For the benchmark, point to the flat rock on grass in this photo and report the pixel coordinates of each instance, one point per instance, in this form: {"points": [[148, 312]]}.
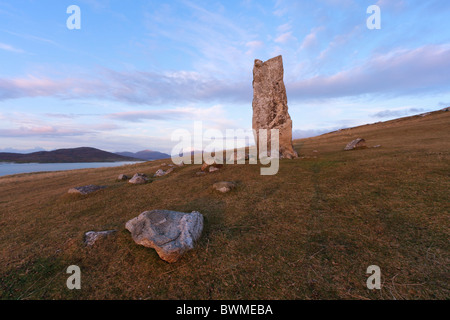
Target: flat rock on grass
{"points": [[91, 237], [86, 189], [138, 178], [356, 144], [224, 186], [161, 172], [170, 233]]}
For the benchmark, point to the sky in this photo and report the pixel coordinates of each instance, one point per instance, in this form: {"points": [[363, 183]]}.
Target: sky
{"points": [[138, 70]]}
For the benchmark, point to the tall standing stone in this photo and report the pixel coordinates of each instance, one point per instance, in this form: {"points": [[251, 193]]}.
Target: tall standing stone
{"points": [[270, 109]]}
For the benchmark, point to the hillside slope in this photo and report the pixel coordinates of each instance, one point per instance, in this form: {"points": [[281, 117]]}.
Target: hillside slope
{"points": [[145, 155], [309, 232], [83, 154]]}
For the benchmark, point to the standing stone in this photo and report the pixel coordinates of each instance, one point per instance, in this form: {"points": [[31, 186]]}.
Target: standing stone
{"points": [[170, 233], [270, 109]]}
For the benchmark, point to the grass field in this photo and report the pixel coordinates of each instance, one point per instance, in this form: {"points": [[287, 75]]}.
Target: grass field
{"points": [[309, 232]]}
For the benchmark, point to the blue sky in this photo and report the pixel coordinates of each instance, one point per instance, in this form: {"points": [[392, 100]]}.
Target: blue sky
{"points": [[138, 70]]}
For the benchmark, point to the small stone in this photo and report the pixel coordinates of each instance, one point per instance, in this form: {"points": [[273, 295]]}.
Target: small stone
{"points": [[206, 167], [139, 178], [169, 170], [161, 172], [224, 186], [86, 189], [212, 169], [356, 144], [91, 237], [122, 177]]}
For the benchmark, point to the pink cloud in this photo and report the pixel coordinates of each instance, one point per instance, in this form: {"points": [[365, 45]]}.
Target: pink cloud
{"points": [[402, 71]]}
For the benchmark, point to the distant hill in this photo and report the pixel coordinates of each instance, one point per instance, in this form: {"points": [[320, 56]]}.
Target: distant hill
{"points": [[145, 155], [83, 154]]}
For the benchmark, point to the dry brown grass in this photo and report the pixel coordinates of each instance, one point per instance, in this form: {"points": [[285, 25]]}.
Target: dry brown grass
{"points": [[310, 232]]}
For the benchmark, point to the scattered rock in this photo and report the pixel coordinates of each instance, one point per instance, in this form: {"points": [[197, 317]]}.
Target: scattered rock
{"points": [[270, 109], [356, 144], [91, 237], [169, 170], [122, 177], [86, 189], [207, 167], [139, 178], [170, 233], [377, 146], [212, 169], [200, 173], [161, 172], [224, 186]]}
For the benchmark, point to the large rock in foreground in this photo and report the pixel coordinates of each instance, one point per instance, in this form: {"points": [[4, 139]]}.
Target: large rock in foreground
{"points": [[270, 109], [170, 233]]}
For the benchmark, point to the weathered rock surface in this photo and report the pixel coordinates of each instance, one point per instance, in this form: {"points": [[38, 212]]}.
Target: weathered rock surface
{"points": [[224, 186], [91, 237], [139, 178], [207, 167], [270, 109], [356, 144], [122, 177], [170, 233], [161, 172], [84, 190]]}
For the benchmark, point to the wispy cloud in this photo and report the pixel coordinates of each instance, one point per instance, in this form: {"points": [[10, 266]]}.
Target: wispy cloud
{"points": [[214, 114], [7, 47], [397, 113], [399, 72], [310, 39]]}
